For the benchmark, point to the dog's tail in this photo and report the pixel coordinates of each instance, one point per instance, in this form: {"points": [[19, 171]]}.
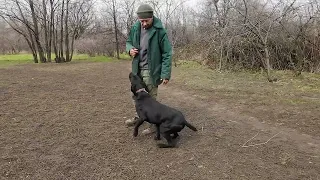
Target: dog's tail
{"points": [[190, 126]]}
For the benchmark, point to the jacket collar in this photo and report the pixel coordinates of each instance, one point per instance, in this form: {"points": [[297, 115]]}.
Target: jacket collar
{"points": [[157, 23]]}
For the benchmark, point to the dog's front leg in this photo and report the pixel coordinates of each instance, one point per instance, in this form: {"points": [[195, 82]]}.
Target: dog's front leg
{"points": [[136, 128], [157, 137]]}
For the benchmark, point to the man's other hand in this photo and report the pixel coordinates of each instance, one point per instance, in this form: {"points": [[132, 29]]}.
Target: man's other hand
{"points": [[165, 81], [134, 52]]}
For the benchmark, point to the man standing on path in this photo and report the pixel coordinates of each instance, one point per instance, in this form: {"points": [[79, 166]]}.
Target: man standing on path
{"points": [[151, 50]]}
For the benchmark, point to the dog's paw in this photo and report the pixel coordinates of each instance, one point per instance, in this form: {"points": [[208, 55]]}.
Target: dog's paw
{"points": [[157, 138]]}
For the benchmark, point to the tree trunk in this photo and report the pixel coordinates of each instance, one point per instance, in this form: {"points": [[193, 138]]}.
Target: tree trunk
{"points": [[31, 42], [46, 25], [68, 59], [55, 42], [115, 27], [51, 30], [61, 34], [72, 42], [267, 60], [36, 32]]}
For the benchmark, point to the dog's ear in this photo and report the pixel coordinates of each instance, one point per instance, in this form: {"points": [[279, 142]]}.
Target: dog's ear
{"points": [[130, 75], [133, 91]]}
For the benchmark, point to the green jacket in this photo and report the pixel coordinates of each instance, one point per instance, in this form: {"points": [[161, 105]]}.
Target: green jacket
{"points": [[159, 51]]}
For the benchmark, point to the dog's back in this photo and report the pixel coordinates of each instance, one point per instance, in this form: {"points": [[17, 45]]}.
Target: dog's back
{"points": [[169, 117]]}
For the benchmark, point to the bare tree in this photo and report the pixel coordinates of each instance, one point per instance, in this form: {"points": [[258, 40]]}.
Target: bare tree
{"points": [[40, 21], [112, 11], [115, 26], [10, 41], [127, 12], [36, 32]]}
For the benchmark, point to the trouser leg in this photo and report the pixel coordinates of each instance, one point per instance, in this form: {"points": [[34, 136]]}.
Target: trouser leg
{"points": [[152, 90]]}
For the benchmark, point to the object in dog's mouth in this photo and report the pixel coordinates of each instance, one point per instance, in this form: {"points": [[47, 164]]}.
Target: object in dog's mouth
{"points": [[142, 89], [168, 121]]}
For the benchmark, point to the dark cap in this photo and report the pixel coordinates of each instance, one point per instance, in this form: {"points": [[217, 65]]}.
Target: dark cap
{"points": [[145, 11]]}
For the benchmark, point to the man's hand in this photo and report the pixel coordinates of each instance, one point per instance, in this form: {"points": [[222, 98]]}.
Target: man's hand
{"points": [[164, 81], [134, 52]]}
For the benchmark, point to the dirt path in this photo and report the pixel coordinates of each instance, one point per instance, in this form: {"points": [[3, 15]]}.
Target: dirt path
{"points": [[66, 121]]}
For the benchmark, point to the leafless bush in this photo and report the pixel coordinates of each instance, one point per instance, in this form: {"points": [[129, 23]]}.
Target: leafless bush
{"points": [[255, 34], [10, 42]]}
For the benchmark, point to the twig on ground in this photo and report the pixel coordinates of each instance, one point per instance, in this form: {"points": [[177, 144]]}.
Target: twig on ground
{"points": [[250, 139], [245, 146]]}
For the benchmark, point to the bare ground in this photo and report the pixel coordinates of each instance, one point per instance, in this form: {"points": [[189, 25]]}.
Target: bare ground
{"points": [[66, 121]]}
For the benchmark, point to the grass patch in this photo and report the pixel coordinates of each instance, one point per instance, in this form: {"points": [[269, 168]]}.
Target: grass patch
{"points": [[251, 87], [125, 56], [8, 60], [15, 59]]}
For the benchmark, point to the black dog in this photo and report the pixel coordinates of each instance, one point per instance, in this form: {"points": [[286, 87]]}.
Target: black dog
{"points": [[167, 120]]}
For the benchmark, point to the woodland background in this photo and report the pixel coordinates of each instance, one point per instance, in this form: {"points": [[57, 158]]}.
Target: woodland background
{"points": [[223, 34]]}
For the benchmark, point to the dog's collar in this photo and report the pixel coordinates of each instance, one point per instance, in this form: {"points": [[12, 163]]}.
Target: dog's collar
{"points": [[142, 89]]}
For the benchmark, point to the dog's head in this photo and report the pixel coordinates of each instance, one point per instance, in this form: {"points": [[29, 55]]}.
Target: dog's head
{"points": [[137, 85]]}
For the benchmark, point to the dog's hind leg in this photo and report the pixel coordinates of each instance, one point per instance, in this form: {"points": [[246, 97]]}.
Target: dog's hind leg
{"points": [[175, 135], [157, 137], [171, 143]]}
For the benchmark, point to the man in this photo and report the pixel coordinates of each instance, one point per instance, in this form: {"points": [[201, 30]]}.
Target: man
{"points": [[151, 50]]}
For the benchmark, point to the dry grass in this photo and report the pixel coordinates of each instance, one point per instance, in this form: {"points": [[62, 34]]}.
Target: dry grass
{"points": [[253, 87]]}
